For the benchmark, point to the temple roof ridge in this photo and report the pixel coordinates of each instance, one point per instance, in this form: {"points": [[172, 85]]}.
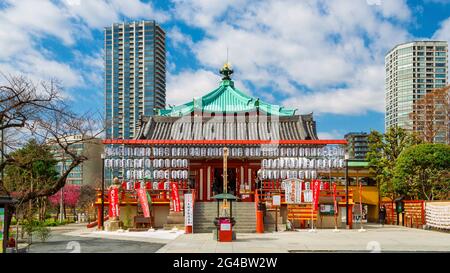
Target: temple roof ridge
{"points": [[226, 99]]}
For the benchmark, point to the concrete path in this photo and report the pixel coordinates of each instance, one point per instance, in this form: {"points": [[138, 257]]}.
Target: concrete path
{"points": [[61, 242], [375, 239]]}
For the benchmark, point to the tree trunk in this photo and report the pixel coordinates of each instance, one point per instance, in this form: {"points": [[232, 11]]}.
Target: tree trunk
{"points": [[8, 217]]}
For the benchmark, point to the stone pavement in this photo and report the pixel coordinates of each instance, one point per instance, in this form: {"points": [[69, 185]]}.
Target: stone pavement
{"points": [[375, 239]]}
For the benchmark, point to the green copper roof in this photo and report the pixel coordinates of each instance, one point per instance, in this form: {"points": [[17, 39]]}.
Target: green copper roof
{"points": [[358, 164], [226, 98]]}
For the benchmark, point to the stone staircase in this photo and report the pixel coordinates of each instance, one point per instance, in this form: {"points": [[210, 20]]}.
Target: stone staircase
{"points": [[243, 212]]}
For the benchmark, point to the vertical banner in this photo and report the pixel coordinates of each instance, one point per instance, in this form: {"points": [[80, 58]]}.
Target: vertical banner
{"points": [[175, 197], [334, 199], [316, 191], [188, 209], [113, 202], [2, 226], [142, 196]]}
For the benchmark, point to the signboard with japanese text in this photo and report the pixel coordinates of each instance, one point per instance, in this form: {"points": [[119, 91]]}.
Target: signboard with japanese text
{"points": [[359, 216], [276, 201], [188, 209], [293, 191]]}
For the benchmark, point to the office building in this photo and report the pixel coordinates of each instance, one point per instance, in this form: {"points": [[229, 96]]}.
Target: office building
{"points": [[135, 75], [357, 145]]}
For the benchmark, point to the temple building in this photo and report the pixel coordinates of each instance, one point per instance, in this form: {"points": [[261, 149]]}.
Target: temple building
{"points": [[272, 150]]}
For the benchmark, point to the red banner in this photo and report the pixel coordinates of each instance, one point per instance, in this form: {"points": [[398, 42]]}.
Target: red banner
{"points": [[175, 197], [114, 202], [316, 191], [142, 196], [334, 199]]}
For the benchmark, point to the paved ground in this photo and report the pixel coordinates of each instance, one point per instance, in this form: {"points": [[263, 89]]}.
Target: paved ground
{"points": [[60, 242], [386, 239], [77, 238]]}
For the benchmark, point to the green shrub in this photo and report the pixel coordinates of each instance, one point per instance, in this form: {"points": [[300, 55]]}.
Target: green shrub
{"points": [[42, 232]]}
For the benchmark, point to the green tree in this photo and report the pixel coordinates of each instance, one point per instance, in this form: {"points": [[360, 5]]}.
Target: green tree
{"points": [[384, 149], [35, 169], [422, 172]]}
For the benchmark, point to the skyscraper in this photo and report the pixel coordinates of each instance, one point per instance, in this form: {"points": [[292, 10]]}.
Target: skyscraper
{"points": [[412, 70], [135, 75]]}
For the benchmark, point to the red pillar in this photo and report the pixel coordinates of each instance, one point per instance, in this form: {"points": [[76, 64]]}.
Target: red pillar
{"points": [[99, 217], [350, 216]]}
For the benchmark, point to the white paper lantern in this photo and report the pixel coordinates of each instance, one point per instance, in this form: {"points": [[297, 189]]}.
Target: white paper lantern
{"points": [[307, 174], [155, 185], [264, 174], [301, 174], [301, 151]]}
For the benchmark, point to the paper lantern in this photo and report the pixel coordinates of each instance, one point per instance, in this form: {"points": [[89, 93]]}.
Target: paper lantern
{"points": [[264, 174], [307, 176], [264, 163], [301, 174], [289, 152], [276, 174], [301, 151]]}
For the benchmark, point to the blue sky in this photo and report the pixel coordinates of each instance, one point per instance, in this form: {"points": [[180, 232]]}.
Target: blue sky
{"points": [[319, 56]]}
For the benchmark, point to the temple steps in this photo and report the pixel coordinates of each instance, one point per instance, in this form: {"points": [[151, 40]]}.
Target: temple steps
{"points": [[243, 213]]}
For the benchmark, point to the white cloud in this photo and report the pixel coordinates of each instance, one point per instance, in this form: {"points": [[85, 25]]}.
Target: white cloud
{"points": [[185, 85], [334, 134], [26, 23], [102, 13], [334, 49]]}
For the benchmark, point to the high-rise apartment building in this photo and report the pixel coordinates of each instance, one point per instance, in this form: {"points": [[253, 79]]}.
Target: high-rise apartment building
{"points": [[135, 75], [413, 70], [357, 145]]}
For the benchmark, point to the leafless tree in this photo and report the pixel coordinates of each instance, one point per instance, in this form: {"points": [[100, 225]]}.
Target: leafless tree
{"points": [[430, 115], [37, 110]]}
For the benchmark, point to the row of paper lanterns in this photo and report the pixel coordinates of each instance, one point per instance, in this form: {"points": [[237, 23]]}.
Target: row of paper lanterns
{"points": [[216, 152], [285, 174], [156, 174], [302, 163], [146, 163]]}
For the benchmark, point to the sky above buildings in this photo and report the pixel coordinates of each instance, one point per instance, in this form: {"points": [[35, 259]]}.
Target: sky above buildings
{"points": [[325, 57]]}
